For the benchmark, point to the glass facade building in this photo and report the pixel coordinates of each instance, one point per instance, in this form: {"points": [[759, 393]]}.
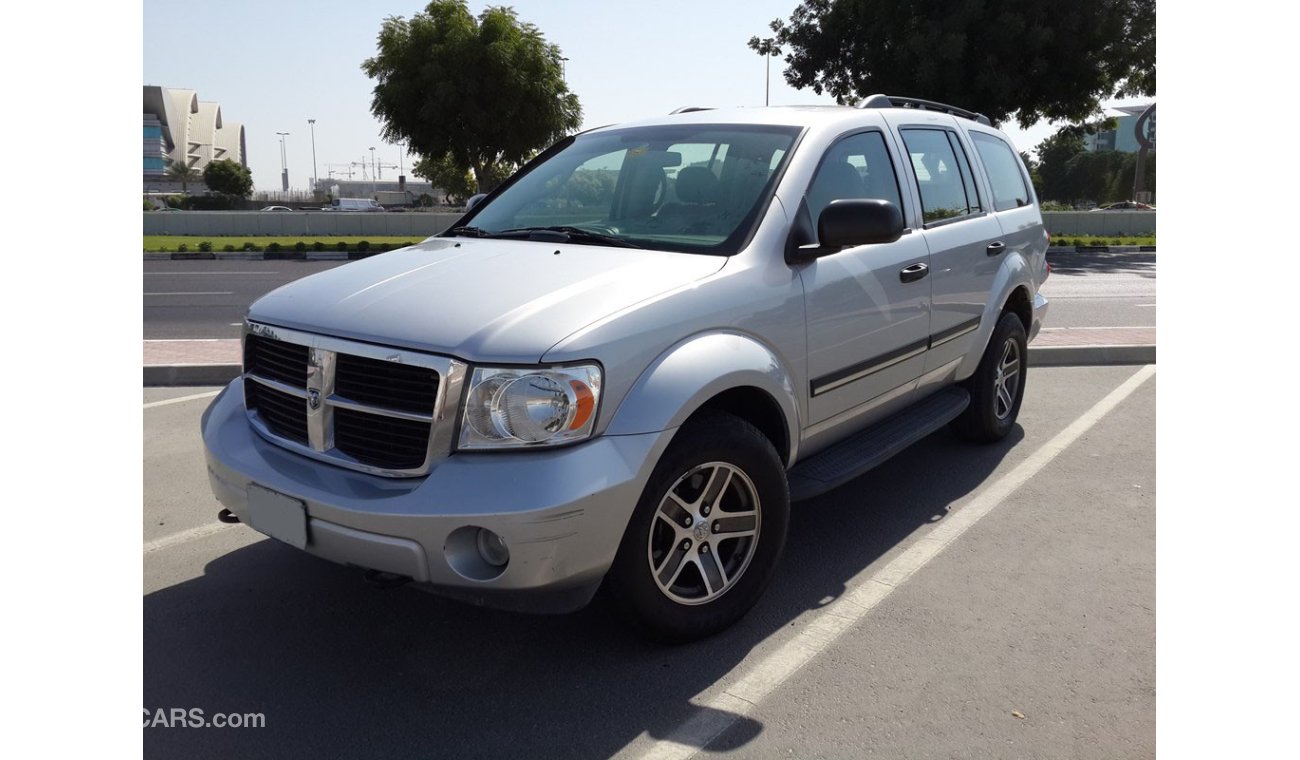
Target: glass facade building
{"points": [[155, 147]]}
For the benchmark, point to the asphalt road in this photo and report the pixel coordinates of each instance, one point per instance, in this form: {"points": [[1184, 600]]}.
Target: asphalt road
{"points": [[1032, 634], [208, 299], [1102, 290]]}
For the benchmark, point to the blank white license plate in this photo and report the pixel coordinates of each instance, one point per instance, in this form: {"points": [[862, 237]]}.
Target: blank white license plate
{"points": [[277, 515]]}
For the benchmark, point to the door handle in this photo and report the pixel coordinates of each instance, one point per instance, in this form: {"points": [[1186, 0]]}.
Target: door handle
{"points": [[913, 273], [995, 248]]}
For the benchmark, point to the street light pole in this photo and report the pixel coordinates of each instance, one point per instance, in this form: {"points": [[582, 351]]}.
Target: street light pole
{"points": [[315, 179], [767, 48], [374, 178], [284, 163]]}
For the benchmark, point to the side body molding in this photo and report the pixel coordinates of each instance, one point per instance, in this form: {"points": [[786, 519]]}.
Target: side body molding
{"points": [[695, 370]]}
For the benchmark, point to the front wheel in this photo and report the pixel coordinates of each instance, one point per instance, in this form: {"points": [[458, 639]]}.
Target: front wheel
{"points": [[706, 534], [998, 385]]}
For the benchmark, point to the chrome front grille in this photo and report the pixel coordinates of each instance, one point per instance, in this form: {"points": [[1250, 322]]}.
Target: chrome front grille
{"points": [[380, 410]]}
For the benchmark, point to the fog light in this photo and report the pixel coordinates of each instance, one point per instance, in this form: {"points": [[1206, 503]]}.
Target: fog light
{"points": [[492, 548]]}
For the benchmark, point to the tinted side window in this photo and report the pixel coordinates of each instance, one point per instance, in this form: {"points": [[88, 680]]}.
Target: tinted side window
{"points": [[856, 167], [1003, 168], [947, 189]]}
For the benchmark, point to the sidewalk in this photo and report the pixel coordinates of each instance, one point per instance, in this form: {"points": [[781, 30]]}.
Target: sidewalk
{"points": [[217, 361]]}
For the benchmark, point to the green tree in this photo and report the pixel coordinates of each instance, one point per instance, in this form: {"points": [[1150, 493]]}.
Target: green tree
{"points": [[487, 92], [182, 172], [456, 183], [1034, 59], [228, 178], [1054, 155]]}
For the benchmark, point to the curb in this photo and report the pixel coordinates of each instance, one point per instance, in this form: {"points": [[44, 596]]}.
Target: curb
{"points": [[1039, 356], [1091, 356]]}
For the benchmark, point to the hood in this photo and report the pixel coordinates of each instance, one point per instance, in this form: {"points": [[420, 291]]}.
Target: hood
{"points": [[478, 299]]}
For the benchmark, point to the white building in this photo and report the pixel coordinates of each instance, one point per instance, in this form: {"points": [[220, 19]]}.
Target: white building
{"points": [[180, 127]]}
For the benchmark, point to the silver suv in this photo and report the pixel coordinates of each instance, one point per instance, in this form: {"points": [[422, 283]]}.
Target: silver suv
{"points": [[621, 367]]}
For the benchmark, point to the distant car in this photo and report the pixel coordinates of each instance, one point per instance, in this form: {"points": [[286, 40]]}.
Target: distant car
{"points": [[1126, 206], [276, 208]]}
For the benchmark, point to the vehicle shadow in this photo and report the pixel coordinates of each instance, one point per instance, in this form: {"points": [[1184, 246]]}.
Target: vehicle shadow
{"points": [[341, 669], [1082, 263]]}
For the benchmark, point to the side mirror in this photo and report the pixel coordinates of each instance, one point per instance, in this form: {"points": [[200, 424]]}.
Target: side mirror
{"points": [[858, 221], [474, 200]]}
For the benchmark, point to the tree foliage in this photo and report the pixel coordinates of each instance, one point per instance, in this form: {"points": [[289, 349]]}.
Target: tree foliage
{"points": [[486, 92], [228, 178], [1034, 59], [455, 182], [1068, 173], [182, 172]]}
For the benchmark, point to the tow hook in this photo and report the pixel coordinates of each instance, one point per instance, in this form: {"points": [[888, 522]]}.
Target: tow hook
{"points": [[226, 516], [381, 579]]}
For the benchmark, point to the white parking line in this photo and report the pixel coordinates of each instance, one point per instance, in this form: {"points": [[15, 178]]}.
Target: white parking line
{"points": [[186, 536], [748, 689], [180, 399]]}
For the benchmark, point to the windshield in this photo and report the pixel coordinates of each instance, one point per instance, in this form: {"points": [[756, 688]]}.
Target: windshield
{"points": [[697, 188]]}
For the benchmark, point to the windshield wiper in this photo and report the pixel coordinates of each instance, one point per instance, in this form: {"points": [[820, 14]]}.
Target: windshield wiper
{"points": [[469, 232], [571, 234]]}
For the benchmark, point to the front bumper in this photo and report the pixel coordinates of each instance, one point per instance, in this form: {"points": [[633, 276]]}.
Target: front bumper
{"points": [[562, 512]]}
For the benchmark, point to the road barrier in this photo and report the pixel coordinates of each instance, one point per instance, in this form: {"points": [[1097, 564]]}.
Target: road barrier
{"points": [[421, 224], [1104, 223], [305, 224]]}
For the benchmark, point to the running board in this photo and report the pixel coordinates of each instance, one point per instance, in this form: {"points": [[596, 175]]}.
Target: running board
{"points": [[869, 448]]}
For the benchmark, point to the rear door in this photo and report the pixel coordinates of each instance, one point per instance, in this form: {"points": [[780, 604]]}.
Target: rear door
{"points": [[964, 239], [1011, 192], [867, 325]]}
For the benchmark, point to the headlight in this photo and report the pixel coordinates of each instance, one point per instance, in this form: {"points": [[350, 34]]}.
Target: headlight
{"points": [[513, 407]]}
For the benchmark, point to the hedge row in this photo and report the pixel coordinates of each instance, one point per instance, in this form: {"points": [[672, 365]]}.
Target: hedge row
{"points": [[1098, 241], [361, 246]]}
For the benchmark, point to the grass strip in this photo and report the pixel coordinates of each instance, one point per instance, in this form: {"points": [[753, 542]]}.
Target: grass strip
{"points": [[1087, 240], [173, 243]]}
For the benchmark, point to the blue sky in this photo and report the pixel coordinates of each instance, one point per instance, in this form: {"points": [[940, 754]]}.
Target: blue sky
{"points": [[273, 65]]}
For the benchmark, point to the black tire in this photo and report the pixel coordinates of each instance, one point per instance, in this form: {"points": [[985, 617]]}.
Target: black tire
{"points": [[988, 419], [708, 443]]}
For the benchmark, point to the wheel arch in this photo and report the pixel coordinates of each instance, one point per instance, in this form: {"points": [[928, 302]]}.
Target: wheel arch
{"points": [[722, 371], [1020, 303]]}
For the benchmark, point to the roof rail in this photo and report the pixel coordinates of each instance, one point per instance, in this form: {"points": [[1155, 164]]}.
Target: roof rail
{"points": [[689, 109], [899, 101]]}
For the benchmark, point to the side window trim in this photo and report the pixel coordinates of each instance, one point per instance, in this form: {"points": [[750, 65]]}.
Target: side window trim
{"points": [[1021, 170], [967, 173], [890, 150], [901, 128]]}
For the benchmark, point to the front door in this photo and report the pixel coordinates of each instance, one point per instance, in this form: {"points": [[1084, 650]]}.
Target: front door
{"points": [[868, 307]]}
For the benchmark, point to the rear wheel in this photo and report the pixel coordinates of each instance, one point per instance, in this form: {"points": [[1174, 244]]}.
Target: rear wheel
{"points": [[706, 534], [998, 385]]}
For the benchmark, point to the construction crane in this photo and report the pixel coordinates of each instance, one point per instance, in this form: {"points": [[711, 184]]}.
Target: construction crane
{"points": [[346, 170]]}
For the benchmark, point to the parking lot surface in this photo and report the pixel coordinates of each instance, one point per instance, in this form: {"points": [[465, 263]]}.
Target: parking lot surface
{"points": [[1028, 633]]}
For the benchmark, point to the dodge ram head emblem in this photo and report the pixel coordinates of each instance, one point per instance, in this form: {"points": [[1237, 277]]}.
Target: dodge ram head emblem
{"points": [[313, 399]]}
